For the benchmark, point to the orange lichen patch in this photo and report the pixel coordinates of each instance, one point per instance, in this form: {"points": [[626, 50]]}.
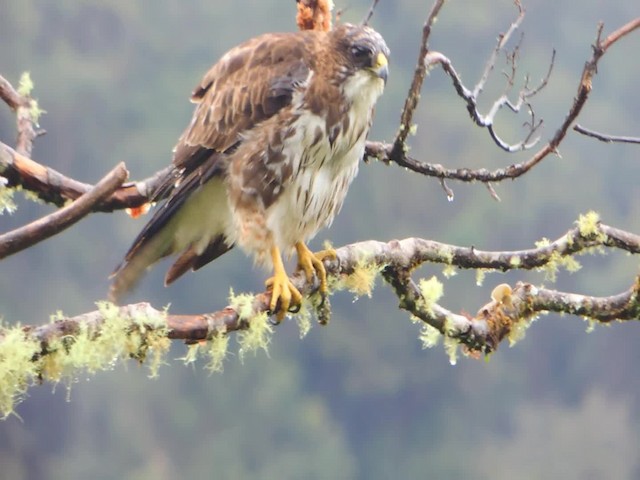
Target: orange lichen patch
{"points": [[314, 15], [499, 322], [136, 212]]}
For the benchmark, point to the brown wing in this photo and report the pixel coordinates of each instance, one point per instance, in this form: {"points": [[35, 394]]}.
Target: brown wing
{"points": [[249, 84]]}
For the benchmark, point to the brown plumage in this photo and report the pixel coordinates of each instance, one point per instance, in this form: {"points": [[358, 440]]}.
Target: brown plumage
{"points": [[275, 140]]}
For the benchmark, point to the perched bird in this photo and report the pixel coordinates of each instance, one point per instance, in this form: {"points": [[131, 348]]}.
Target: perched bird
{"points": [[276, 138]]}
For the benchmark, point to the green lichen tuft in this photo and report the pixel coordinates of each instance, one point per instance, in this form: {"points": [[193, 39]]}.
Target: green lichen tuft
{"points": [[303, 319], [589, 224], [449, 271], [7, 203], [451, 347], [556, 261], [515, 261], [18, 371], [431, 291], [429, 336], [25, 87], [542, 243], [33, 197], [217, 352], [94, 346], [25, 84], [257, 335], [481, 274], [193, 352], [518, 331], [591, 324], [35, 112], [362, 280]]}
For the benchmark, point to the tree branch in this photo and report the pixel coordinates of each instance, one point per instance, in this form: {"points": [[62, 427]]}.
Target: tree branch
{"points": [[394, 154], [62, 219], [604, 137], [413, 97], [53, 187], [357, 265]]}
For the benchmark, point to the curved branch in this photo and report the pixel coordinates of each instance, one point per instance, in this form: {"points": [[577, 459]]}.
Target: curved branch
{"points": [[62, 219], [604, 137], [393, 154], [395, 261], [53, 187]]}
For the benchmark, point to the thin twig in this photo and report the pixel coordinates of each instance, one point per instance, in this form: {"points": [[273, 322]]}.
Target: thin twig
{"points": [[388, 153], [411, 102], [605, 137], [59, 220], [366, 19]]}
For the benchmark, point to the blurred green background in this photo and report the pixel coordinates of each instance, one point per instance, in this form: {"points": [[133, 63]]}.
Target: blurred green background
{"points": [[359, 398]]}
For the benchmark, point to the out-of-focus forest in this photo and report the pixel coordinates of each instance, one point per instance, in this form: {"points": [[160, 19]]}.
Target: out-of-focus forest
{"points": [[359, 398]]}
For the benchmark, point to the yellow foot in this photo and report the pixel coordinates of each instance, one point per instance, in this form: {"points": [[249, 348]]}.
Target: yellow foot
{"points": [[285, 297], [311, 264]]}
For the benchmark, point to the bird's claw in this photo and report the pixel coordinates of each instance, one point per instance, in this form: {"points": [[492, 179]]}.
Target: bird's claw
{"points": [[311, 264], [285, 297]]}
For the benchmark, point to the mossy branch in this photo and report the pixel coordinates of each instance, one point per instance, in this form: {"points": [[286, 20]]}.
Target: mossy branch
{"points": [[68, 346]]}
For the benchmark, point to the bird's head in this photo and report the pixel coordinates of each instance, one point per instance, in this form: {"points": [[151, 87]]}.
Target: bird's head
{"points": [[362, 58]]}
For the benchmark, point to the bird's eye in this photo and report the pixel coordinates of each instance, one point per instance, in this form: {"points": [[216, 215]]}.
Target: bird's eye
{"points": [[360, 52]]}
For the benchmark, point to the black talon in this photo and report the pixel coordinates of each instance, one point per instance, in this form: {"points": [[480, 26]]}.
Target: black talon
{"points": [[295, 309]]}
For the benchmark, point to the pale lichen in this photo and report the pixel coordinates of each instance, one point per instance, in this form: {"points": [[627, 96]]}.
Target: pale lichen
{"points": [[451, 347], [25, 87], [449, 271], [362, 280], [303, 319], [556, 261], [591, 324], [18, 370], [7, 203], [589, 225], [25, 84], [217, 352], [257, 335], [431, 291], [94, 346], [481, 274], [429, 336]]}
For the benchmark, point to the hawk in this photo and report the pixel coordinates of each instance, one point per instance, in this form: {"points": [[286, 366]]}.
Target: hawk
{"points": [[276, 138]]}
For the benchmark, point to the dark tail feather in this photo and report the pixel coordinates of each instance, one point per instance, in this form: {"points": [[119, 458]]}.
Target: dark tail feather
{"points": [[190, 260], [144, 254]]}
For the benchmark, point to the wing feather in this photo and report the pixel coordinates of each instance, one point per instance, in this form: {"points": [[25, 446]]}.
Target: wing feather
{"points": [[247, 86]]}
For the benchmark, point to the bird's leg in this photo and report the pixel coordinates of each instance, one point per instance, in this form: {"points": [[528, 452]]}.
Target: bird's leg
{"points": [[284, 296], [311, 263]]}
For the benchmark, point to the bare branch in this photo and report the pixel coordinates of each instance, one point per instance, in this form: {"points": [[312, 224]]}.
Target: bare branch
{"points": [[53, 187], [62, 219], [27, 112], [605, 137], [411, 102], [10, 96], [390, 154], [503, 38], [367, 18]]}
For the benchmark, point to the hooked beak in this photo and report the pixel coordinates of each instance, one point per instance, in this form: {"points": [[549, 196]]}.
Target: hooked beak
{"points": [[381, 67]]}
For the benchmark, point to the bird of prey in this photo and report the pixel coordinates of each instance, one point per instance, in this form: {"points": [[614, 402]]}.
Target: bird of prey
{"points": [[276, 138]]}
